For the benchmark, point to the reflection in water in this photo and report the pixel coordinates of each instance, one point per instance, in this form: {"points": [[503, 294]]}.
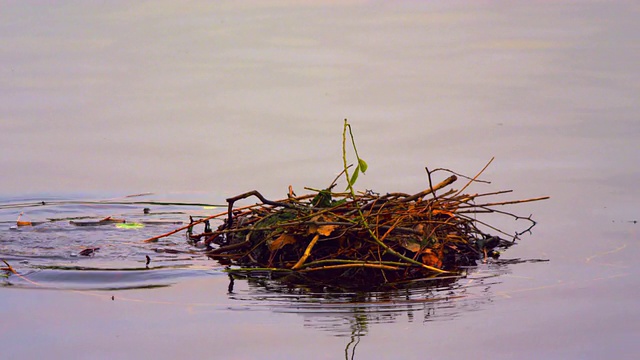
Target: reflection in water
{"points": [[350, 313]]}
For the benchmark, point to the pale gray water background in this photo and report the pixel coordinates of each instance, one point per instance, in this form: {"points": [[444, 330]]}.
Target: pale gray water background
{"points": [[198, 100]]}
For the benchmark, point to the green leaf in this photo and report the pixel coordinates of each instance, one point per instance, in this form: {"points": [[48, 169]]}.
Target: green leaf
{"points": [[323, 199], [354, 177], [338, 202], [362, 165]]}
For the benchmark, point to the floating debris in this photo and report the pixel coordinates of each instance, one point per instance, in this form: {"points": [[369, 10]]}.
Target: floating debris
{"points": [[105, 221], [132, 225], [20, 223], [89, 251]]}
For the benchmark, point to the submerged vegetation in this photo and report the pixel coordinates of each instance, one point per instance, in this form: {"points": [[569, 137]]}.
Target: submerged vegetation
{"points": [[357, 239]]}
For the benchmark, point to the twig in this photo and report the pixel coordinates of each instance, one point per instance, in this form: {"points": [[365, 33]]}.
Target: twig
{"points": [[504, 203], [476, 177], [355, 265], [8, 268], [255, 193], [446, 182], [307, 252]]}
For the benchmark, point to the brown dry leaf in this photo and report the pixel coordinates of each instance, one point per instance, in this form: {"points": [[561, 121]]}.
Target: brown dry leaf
{"points": [[442, 212], [281, 241], [430, 258], [410, 245], [313, 228], [326, 230]]}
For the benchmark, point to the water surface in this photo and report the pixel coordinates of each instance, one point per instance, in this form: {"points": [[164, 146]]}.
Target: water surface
{"points": [[200, 101]]}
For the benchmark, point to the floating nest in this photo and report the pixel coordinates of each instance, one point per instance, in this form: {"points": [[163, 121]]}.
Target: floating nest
{"points": [[358, 239], [361, 239]]}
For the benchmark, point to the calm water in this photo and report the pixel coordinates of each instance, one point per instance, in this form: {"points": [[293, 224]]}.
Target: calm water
{"points": [[199, 101]]}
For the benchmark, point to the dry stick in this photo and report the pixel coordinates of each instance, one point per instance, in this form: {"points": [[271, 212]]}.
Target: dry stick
{"points": [[460, 175], [474, 221], [228, 248], [273, 227], [516, 217], [475, 178], [255, 193], [474, 211], [306, 254], [446, 182], [9, 268], [300, 220], [361, 215], [393, 252], [265, 201], [345, 261], [391, 228], [342, 266], [316, 223], [503, 203], [493, 193], [155, 238], [430, 183]]}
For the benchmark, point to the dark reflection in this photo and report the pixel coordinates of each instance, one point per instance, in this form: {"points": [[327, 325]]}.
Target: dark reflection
{"points": [[350, 313], [356, 332]]}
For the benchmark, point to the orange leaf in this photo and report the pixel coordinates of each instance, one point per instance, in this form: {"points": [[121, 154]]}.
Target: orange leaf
{"points": [[281, 241], [326, 230], [430, 258], [443, 212]]}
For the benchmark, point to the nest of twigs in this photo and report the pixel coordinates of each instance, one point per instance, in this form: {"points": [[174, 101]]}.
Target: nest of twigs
{"points": [[361, 238], [358, 238]]}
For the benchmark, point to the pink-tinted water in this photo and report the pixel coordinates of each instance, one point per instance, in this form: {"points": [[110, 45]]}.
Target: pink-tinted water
{"points": [[199, 101]]}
